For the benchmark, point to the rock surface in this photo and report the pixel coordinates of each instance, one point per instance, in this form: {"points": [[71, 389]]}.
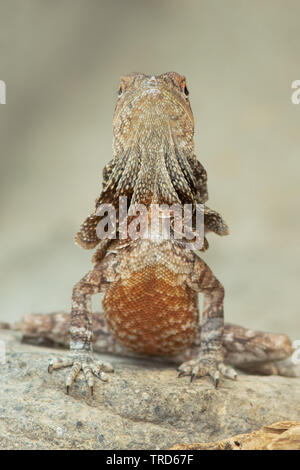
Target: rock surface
{"points": [[143, 406]]}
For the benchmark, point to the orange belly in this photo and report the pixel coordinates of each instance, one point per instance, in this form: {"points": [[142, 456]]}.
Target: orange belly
{"points": [[151, 312]]}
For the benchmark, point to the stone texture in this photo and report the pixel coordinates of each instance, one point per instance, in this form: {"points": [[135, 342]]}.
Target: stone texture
{"points": [[143, 406]]}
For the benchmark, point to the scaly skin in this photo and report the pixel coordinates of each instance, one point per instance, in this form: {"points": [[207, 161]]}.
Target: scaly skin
{"points": [[153, 145], [150, 285]]}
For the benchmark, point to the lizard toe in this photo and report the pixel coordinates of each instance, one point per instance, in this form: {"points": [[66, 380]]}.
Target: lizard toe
{"points": [[197, 368], [85, 363]]}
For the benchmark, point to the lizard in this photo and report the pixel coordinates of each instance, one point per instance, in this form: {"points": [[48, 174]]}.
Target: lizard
{"points": [[151, 286]]}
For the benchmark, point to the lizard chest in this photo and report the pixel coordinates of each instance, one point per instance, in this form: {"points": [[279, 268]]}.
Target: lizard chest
{"points": [[152, 312]]}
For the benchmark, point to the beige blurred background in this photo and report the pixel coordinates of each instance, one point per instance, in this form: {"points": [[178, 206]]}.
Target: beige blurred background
{"points": [[61, 61]]}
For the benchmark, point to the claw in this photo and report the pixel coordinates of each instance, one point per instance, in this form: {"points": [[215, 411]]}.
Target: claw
{"points": [[88, 367], [232, 375], [207, 367], [216, 379], [227, 371], [106, 367], [181, 374]]}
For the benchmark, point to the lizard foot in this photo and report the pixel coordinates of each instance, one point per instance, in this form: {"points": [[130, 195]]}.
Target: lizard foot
{"points": [[207, 366], [84, 362]]}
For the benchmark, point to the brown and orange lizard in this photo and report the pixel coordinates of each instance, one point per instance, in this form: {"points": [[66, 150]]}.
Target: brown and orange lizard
{"points": [[151, 285]]}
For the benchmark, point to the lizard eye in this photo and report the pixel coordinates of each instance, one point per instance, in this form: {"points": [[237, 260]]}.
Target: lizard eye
{"points": [[186, 91], [120, 91]]}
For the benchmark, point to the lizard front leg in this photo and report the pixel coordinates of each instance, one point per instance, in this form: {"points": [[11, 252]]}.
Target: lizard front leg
{"points": [[210, 360], [81, 334]]}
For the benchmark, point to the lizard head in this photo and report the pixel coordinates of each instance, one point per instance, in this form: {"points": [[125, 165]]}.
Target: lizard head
{"points": [[154, 159], [148, 105], [153, 130]]}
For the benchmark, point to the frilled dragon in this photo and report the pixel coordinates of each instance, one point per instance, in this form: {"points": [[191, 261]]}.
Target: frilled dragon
{"points": [[151, 285]]}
